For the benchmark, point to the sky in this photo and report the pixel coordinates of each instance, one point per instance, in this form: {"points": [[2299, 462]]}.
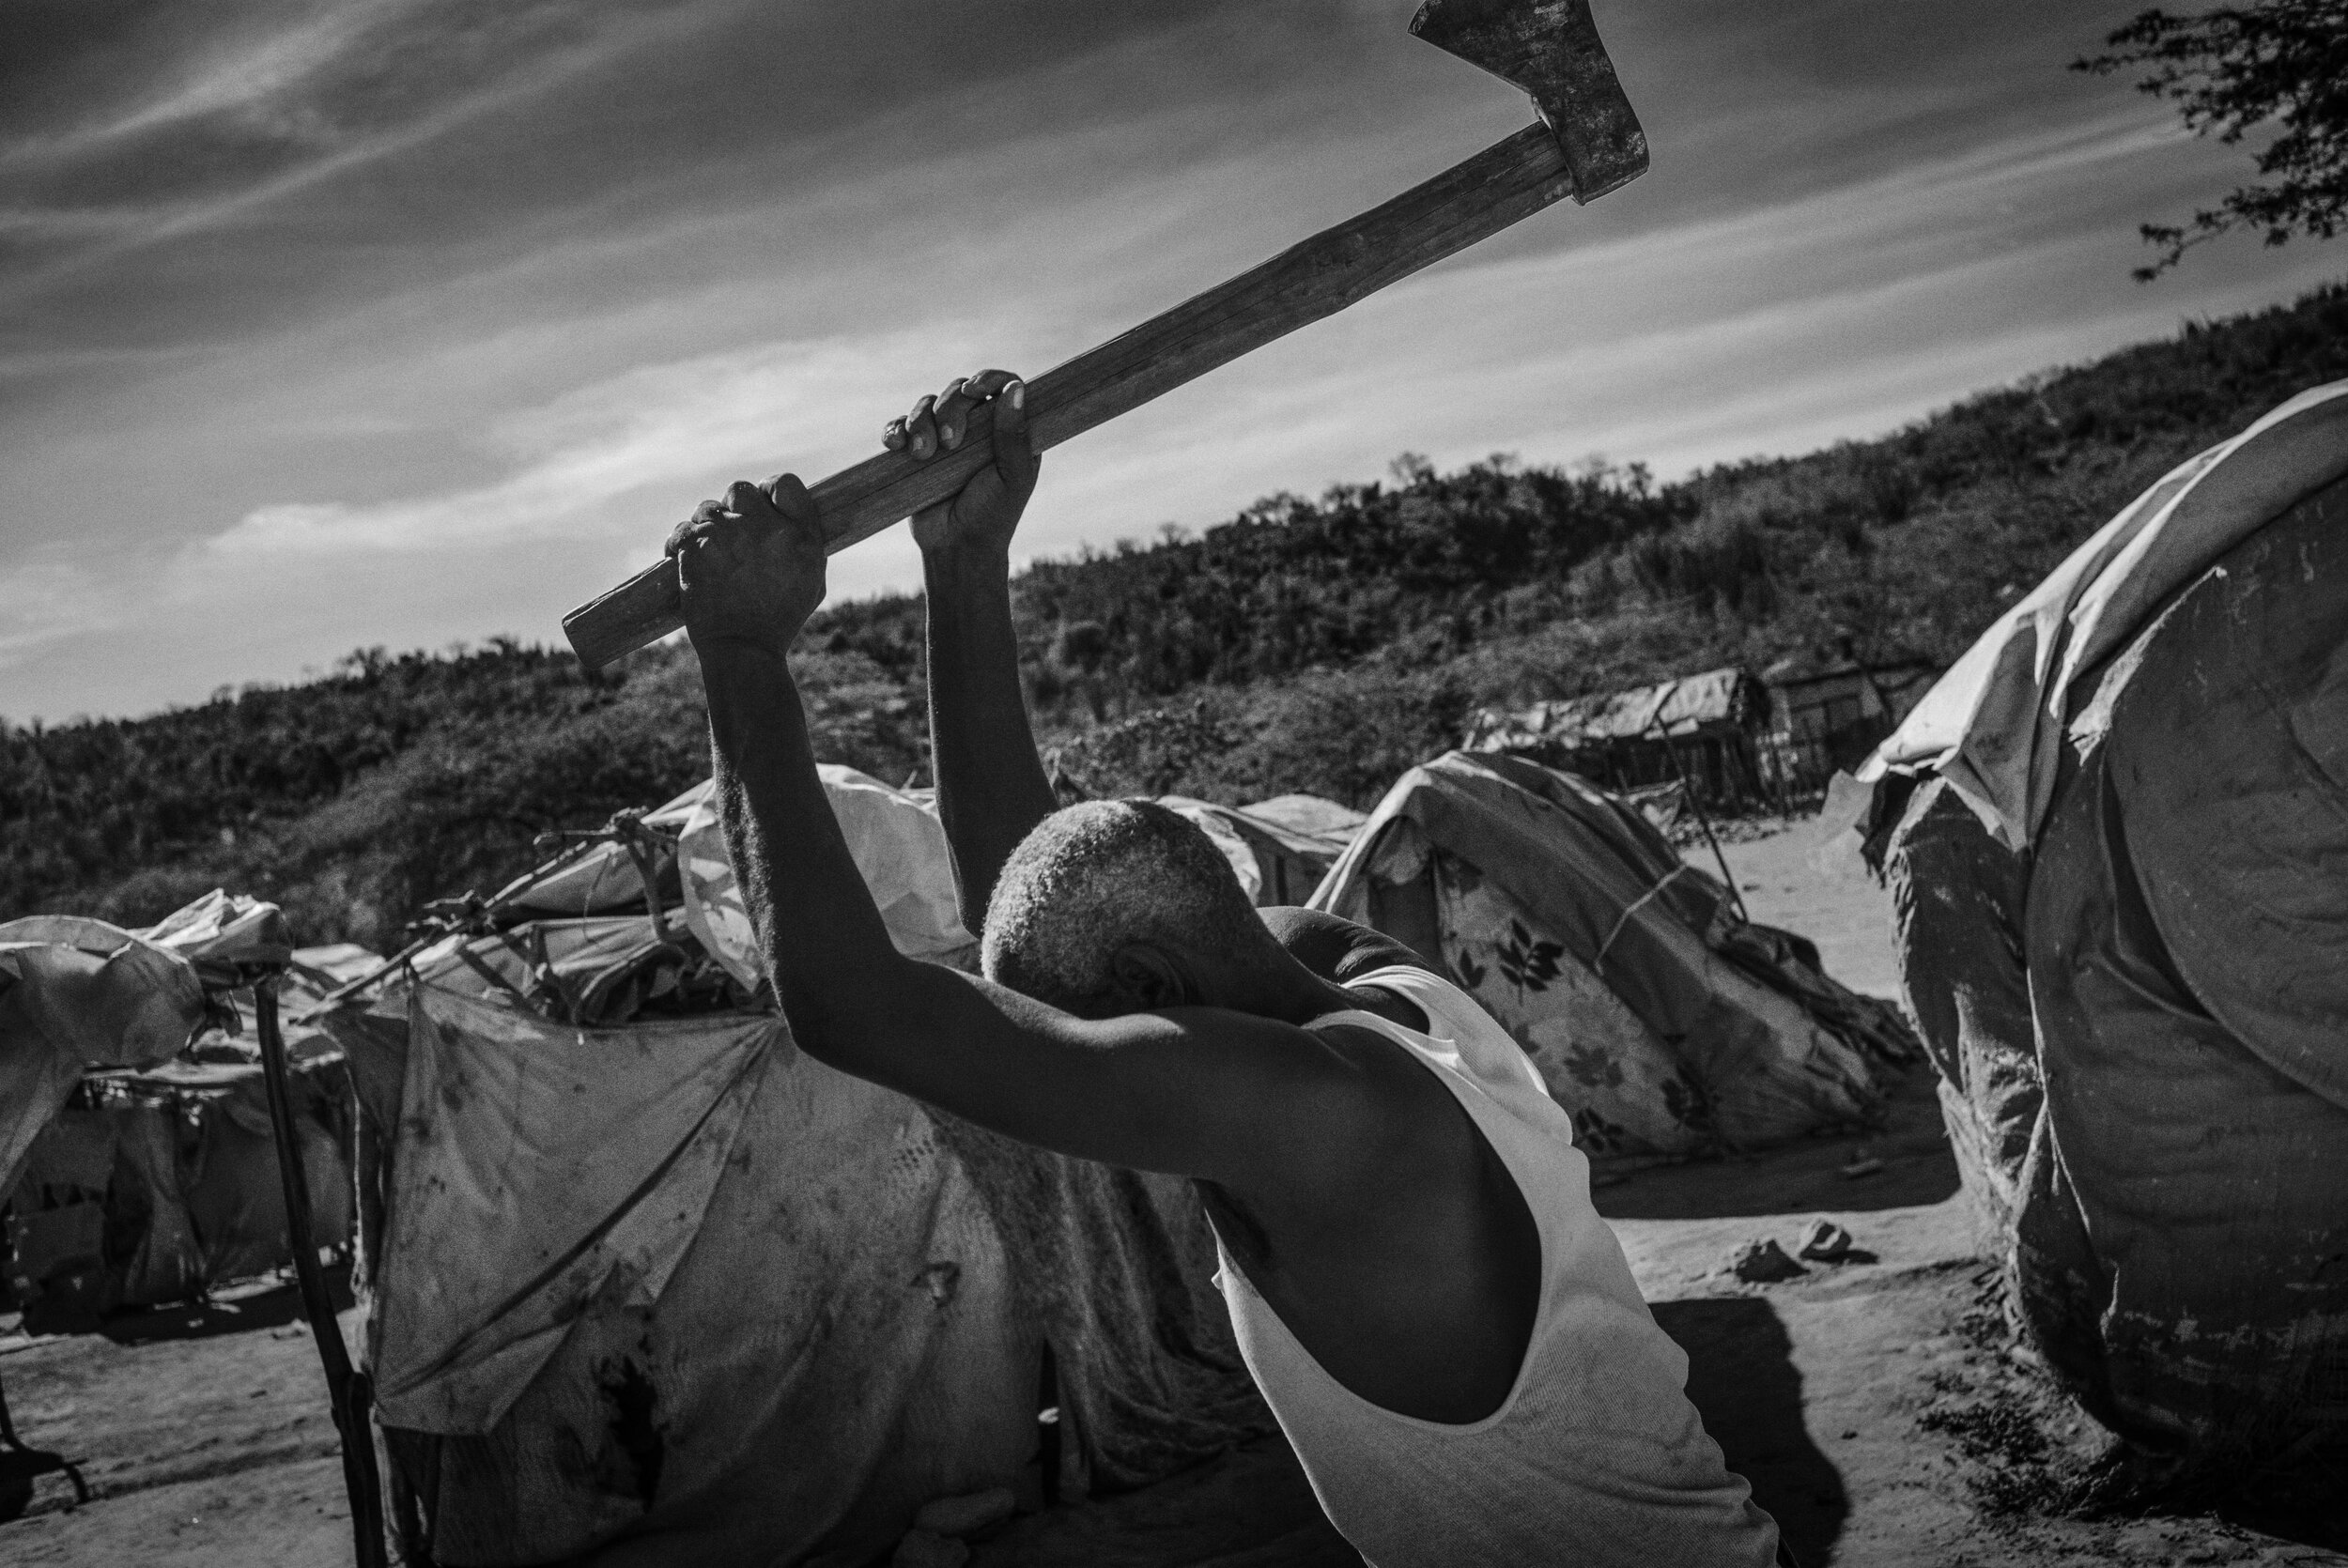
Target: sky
{"points": [[413, 322]]}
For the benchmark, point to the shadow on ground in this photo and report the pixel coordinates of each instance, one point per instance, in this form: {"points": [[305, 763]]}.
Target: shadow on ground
{"points": [[1912, 1146], [240, 1309], [1742, 1378]]}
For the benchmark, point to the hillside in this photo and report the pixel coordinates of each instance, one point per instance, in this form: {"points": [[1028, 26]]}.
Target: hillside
{"points": [[1317, 644]]}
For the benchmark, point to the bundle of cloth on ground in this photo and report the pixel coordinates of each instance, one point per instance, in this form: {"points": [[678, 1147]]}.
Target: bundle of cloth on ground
{"points": [[2116, 832], [135, 1146], [675, 1290], [1667, 1024]]}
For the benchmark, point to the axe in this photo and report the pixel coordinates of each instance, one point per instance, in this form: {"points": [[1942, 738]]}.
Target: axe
{"points": [[1585, 142]]}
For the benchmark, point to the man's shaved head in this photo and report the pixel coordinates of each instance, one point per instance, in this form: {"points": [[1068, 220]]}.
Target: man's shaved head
{"points": [[1095, 878]]}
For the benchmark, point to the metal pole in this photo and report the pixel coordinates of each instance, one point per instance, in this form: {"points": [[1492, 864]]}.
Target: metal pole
{"points": [[350, 1392]]}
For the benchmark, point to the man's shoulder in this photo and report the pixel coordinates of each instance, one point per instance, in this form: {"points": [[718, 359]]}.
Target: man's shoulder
{"points": [[1338, 950]]}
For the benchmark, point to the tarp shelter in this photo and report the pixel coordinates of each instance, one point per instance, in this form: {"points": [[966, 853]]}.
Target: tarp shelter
{"points": [[1699, 728], [668, 1290], [1277, 862], [2117, 837], [1664, 1024], [140, 1166], [1313, 815]]}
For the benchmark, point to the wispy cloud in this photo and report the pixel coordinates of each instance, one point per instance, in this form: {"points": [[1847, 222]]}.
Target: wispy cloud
{"points": [[419, 319], [1477, 336], [43, 601], [253, 77], [657, 428]]}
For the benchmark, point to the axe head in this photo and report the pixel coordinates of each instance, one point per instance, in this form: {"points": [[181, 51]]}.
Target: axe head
{"points": [[1550, 49]]}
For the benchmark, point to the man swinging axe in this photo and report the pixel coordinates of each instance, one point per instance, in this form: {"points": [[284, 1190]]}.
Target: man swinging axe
{"points": [[1447, 1333]]}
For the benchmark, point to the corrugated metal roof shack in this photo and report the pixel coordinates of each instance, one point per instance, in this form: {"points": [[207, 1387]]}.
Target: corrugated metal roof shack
{"points": [[1703, 728], [1825, 716]]}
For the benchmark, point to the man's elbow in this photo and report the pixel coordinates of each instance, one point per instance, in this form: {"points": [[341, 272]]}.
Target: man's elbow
{"points": [[824, 1026], [848, 1023]]}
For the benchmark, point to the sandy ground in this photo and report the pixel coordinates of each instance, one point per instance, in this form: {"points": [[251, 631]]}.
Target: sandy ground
{"points": [[1863, 1400], [203, 1433]]}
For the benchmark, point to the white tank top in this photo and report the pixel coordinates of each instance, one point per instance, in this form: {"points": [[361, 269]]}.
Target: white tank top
{"points": [[1595, 1456]]}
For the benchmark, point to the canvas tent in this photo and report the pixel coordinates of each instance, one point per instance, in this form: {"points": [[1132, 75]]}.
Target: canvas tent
{"points": [[658, 1288], [135, 1137], [1664, 1024], [1279, 854], [2114, 833], [1312, 816]]}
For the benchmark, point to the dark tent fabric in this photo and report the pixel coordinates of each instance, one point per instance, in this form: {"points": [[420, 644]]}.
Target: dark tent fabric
{"points": [[152, 1187], [2142, 1023], [1957, 899], [1117, 1267]]}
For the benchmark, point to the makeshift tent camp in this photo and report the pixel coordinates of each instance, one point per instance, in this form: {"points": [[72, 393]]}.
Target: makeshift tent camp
{"points": [[140, 1171], [1668, 1026], [2115, 833], [666, 1289]]}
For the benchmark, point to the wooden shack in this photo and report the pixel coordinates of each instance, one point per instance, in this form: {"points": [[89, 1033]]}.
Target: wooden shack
{"points": [[1701, 729], [1828, 715]]}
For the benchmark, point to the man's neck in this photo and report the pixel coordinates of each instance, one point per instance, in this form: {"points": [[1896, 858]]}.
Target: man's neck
{"points": [[1309, 997]]}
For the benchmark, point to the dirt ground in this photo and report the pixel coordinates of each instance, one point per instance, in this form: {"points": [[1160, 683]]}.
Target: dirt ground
{"points": [[1873, 1403]]}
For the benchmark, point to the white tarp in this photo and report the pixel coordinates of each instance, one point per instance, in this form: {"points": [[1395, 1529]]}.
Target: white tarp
{"points": [[1275, 862], [1311, 816], [76, 995], [225, 935], [1992, 724], [570, 1162], [675, 1293], [895, 837]]}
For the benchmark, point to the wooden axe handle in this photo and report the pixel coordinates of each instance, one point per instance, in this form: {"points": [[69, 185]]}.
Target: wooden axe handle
{"points": [[1506, 181]]}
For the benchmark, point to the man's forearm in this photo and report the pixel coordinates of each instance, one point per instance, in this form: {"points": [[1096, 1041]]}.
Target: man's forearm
{"points": [[991, 787], [824, 943]]}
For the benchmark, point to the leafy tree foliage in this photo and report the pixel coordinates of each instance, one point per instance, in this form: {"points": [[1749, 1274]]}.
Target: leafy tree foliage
{"points": [[2235, 69]]}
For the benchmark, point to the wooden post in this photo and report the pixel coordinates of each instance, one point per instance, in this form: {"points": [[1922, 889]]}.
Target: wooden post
{"points": [[1702, 821], [350, 1392]]}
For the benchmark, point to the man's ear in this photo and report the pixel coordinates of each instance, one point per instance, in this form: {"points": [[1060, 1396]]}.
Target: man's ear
{"points": [[1149, 977]]}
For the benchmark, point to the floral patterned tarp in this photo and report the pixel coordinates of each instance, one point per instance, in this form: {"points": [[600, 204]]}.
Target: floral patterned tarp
{"points": [[1667, 1026]]}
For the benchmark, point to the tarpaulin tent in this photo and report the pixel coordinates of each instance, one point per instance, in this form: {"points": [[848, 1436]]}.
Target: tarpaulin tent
{"points": [[2117, 834], [1312, 817], [1275, 862], [668, 1289], [76, 995], [1663, 1022], [139, 1164]]}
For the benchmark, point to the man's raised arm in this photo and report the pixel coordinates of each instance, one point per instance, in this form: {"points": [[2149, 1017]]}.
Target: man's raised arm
{"points": [[991, 789], [1208, 1093]]}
